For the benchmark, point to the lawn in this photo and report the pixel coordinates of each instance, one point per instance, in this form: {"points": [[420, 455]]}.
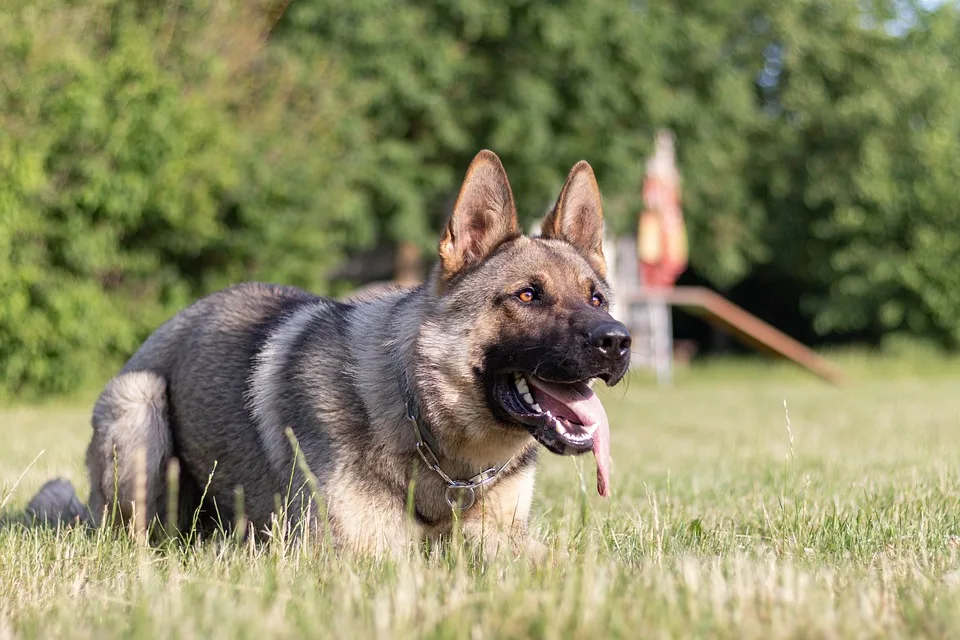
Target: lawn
{"points": [[749, 502]]}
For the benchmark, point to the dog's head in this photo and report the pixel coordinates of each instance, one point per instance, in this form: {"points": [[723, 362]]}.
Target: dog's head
{"points": [[522, 325]]}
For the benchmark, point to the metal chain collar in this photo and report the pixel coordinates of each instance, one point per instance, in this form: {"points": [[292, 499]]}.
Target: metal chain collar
{"points": [[460, 494]]}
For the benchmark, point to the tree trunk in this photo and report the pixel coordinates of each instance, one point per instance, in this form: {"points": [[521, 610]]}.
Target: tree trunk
{"points": [[408, 267]]}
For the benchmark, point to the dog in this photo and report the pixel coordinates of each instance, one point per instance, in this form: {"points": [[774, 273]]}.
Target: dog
{"points": [[392, 414]]}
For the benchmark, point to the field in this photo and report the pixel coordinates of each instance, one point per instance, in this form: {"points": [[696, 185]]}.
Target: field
{"points": [[749, 502]]}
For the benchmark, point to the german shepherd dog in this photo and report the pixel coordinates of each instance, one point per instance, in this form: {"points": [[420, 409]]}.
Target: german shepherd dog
{"points": [[391, 415]]}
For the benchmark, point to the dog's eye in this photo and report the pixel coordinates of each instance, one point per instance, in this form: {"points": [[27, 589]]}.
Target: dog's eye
{"points": [[527, 295], [596, 300]]}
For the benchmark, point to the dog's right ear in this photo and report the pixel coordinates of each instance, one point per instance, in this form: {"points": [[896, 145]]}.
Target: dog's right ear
{"points": [[483, 218], [577, 217]]}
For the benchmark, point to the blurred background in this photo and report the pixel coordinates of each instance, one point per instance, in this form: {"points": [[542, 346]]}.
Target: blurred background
{"points": [[151, 152]]}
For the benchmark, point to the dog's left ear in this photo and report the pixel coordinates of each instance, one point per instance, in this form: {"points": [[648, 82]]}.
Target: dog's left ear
{"points": [[483, 218], [577, 217]]}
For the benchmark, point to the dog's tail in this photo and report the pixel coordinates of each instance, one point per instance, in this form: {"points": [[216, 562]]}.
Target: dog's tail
{"points": [[56, 504]]}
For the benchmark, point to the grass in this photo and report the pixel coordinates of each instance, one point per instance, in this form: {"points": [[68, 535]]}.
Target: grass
{"points": [[732, 516]]}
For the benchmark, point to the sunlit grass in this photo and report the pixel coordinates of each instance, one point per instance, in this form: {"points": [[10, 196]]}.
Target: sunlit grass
{"points": [[724, 522]]}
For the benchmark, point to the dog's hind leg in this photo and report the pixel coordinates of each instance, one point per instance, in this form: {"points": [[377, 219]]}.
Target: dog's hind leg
{"points": [[131, 447]]}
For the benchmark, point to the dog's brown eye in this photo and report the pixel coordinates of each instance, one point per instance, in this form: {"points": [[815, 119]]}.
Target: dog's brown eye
{"points": [[527, 295], [596, 300]]}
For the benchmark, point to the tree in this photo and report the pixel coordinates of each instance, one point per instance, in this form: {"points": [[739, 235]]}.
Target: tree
{"points": [[147, 157], [863, 147]]}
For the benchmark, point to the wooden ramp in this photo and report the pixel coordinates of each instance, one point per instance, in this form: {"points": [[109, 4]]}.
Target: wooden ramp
{"points": [[750, 329]]}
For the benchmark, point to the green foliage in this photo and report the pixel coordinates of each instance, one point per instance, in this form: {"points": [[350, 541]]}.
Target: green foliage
{"points": [[151, 154], [866, 146], [816, 139], [144, 160]]}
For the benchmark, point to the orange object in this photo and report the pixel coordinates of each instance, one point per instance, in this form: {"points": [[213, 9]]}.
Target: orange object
{"points": [[661, 234]]}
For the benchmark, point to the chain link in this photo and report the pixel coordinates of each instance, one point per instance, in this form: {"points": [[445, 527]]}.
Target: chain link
{"points": [[465, 489]]}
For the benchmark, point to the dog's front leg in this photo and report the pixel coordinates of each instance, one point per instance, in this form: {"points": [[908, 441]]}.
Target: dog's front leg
{"points": [[500, 521], [367, 520]]}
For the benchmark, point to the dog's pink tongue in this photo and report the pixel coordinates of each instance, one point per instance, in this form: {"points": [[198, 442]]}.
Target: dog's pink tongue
{"points": [[601, 452], [578, 403]]}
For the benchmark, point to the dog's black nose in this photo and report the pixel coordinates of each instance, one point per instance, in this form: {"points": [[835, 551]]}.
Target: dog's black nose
{"points": [[612, 338]]}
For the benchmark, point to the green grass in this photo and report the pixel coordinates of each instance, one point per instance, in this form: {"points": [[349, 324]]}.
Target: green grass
{"points": [[728, 520]]}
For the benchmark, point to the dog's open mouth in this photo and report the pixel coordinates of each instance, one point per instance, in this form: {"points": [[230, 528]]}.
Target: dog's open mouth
{"points": [[567, 418]]}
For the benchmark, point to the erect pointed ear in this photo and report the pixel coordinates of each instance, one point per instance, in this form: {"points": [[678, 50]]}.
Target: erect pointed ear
{"points": [[577, 217], [483, 217]]}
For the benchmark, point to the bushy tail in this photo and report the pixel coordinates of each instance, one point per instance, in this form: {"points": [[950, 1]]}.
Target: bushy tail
{"points": [[57, 503]]}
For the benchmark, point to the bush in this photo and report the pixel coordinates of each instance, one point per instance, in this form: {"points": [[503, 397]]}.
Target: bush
{"points": [[146, 159]]}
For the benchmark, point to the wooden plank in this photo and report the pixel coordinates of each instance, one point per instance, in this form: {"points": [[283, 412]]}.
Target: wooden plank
{"points": [[747, 327]]}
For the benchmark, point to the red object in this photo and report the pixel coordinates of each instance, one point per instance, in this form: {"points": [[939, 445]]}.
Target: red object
{"points": [[661, 276], [661, 235]]}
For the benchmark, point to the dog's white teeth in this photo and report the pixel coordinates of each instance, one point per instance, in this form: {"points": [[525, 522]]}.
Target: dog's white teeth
{"points": [[524, 390], [562, 430]]}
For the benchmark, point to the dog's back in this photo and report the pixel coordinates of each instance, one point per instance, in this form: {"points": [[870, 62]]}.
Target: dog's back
{"points": [[184, 394], [204, 354]]}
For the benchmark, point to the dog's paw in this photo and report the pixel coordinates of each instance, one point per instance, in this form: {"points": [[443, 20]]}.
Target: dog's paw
{"points": [[57, 503], [535, 552]]}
